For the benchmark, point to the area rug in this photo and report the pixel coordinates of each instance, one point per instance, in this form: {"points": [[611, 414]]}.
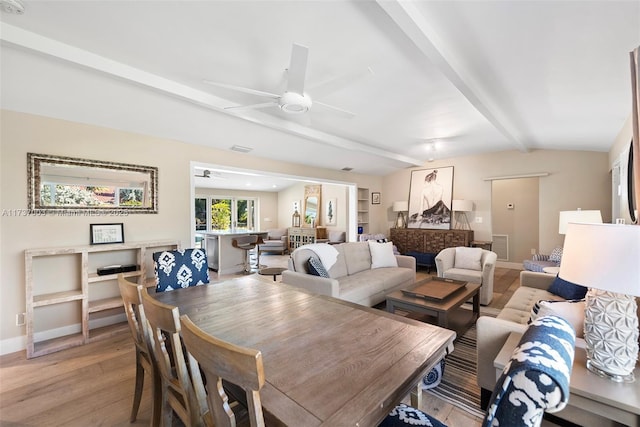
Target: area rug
{"points": [[458, 386]]}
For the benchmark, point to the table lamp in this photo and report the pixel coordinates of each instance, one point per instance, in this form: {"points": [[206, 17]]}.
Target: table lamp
{"points": [[578, 216], [461, 207], [606, 259], [401, 208]]}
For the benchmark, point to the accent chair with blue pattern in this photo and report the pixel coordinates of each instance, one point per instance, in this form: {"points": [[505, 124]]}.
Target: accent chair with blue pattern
{"points": [[177, 269]]}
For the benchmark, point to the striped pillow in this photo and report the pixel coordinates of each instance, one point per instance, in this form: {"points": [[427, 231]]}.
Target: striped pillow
{"points": [[571, 310]]}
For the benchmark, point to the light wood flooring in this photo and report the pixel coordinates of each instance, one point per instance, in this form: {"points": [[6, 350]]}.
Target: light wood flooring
{"points": [[92, 385]]}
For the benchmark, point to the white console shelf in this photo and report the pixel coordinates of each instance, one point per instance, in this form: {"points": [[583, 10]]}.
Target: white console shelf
{"points": [[63, 282]]}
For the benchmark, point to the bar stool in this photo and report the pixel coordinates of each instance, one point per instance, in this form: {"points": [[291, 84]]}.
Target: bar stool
{"points": [[247, 244]]}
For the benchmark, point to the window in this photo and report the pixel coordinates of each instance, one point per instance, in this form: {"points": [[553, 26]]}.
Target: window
{"points": [[225, 213]]}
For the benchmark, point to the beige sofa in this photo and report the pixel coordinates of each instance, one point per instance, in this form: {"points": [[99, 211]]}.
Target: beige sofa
{"points": [[493, 332], [351, 278]]}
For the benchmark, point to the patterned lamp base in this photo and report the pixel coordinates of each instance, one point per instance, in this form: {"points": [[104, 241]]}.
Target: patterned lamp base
{"points": [[611, 334]]}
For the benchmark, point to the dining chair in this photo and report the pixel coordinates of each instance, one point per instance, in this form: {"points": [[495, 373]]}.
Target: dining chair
{"points": [[145, 362], [223, 361], [181, 392], [180, 268]]}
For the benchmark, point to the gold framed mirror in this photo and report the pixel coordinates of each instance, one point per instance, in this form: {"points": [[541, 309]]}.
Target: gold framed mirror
{"points": [[311, 205], [65, 183]]}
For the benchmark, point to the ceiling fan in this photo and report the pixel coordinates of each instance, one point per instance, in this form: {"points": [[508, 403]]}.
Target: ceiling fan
{"points": [[206, 173], [293, 100]]}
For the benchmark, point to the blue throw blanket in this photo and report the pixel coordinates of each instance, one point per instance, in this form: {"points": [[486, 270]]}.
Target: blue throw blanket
{"points": [[536, 378]]}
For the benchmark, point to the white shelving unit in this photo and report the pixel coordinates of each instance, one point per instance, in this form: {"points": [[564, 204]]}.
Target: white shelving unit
{"points": [[363, 209], [76, 293]]}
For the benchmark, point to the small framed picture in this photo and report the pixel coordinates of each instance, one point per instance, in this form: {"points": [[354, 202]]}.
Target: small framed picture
{"points": [[375, 198], [102, 234]]}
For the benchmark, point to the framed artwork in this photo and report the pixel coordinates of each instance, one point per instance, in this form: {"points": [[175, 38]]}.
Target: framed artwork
{"points": [[107, 233], [430, 196], [330, 212], [375, 198]]}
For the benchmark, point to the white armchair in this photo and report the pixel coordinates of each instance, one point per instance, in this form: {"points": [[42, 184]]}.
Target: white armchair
{"points": [[474, 265]]}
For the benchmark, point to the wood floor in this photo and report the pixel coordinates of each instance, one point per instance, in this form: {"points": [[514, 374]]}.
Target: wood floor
{"points": [[92, 385]]}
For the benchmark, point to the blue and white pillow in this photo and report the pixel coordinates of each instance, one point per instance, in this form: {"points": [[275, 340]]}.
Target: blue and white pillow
{"points": [[556, 255], [536, 378], [316, 268], [180, 269], [404, 415]]}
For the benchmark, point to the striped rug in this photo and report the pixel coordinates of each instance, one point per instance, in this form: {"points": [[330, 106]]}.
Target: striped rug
{"points": [[458, 386]]}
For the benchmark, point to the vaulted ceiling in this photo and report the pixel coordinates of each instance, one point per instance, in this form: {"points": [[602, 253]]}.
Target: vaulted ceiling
{"points": [[423, 79]]}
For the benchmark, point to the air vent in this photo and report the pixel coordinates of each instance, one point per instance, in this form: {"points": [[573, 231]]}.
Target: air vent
{"points": [[241, 149], [347, 169]]}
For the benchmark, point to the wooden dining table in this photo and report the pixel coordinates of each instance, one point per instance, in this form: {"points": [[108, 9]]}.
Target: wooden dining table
{"points": [[327, 362]]}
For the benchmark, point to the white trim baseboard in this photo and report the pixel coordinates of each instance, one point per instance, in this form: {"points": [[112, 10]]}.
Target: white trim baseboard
{"points": [[12, 345]]}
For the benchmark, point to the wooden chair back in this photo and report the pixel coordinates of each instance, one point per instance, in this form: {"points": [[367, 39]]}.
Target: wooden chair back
{"points": [[221, 360], [132, 300], [181, 392]]}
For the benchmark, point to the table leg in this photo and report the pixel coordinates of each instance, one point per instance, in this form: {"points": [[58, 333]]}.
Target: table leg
{"points": [[443, 322], [390, 307], [476, 304], [416, 397]]}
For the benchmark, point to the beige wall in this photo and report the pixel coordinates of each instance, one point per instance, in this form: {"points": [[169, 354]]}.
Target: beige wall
{"points": [[514, 212], [22, 133], [577, 179]]}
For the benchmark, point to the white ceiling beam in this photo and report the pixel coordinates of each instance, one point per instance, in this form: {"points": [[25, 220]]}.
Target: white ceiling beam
{"points": [[414, 25], [14, 36]]}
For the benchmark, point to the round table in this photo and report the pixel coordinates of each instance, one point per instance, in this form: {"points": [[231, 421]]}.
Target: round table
{"points": [[551, 270], [271, 271]]}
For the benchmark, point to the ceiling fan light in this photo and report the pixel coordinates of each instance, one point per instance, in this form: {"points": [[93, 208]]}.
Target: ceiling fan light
{"points": [[294, 103]]}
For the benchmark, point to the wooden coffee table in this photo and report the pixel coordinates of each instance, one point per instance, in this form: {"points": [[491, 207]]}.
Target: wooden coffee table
{"points": [[438, 309]]}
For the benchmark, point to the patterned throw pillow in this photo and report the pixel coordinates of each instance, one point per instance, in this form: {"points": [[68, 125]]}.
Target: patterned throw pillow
{"points": [[404, 415], [567, 290], [572, 311], [180, 269], [316, 268], [556, 255]]}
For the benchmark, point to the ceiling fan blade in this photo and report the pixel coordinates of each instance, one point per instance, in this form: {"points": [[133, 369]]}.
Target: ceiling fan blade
{"points": [[252, 106], [242, 89], [297, 69], [340, 111], [334, 84]]}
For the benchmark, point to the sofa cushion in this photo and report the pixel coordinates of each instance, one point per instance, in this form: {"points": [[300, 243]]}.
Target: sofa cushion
{"points": [[316, 268], [518, 308], [566, 289], [537, 265], [382, 255], [357, 287], [468, 258], [572, 311], [473, 276], [357, 257]]}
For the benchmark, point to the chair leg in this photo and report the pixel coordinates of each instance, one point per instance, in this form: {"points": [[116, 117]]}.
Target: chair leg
{"points": [[156, 402], [137, 395]]}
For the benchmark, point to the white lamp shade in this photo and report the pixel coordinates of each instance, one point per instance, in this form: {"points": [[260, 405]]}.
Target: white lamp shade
{"points": [[578, 216], [458, 205], [602, 256], [400, 206]]}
